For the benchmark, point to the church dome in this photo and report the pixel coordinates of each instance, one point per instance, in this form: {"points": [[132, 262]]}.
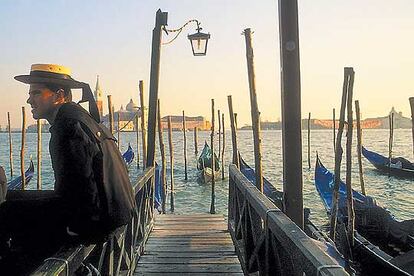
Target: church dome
{"points": [[132, 107]]}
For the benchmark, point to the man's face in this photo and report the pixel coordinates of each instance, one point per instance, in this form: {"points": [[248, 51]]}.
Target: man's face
{"points": [[42, 100]]}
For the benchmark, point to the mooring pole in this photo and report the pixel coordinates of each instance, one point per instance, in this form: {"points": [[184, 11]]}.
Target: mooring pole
{"points": [[185, 146], [309, 141], [143, 125], [254, 110], [411, 99], [11, 145], [119, 131], [213, 163], [39, 154], [171, 164], [22, 148], [195, 141], [137, 133], [349, 129], [333, 129], [359, 146], [235, 121], [224, 146], [163, 161], [338, 154], [111, 115], [291, 111], [160, 21], [390, 141], [233, 132], [219, 133]]}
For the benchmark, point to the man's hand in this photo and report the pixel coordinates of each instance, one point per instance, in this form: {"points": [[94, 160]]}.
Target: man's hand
{"points": [[3, 185]]}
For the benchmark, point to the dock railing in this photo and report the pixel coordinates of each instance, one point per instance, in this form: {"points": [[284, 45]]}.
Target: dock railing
{"points": [[266, 240], [121, 252]]}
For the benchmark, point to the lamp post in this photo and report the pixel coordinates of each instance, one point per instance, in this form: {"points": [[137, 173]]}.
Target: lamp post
{"points": [[198, 42]]}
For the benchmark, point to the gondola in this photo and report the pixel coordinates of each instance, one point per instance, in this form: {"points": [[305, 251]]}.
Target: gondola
{"points": [[128, 155], [158, 198], [382, 245], [268, 189], [399, 166], [310, 229], [204, 164], [16, 184]]}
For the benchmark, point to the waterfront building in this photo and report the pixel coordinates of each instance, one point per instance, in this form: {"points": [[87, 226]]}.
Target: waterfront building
{"points": [[191, 122]]}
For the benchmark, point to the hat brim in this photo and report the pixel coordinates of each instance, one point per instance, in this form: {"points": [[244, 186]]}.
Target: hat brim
{"points": [[28, 79]]}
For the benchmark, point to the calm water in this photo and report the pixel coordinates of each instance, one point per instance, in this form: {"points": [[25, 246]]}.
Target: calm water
{"points": [[193, 197]]}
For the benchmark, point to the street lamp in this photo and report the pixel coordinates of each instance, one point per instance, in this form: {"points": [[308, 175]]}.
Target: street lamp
{"points": [[199, 47], [199, 41]]}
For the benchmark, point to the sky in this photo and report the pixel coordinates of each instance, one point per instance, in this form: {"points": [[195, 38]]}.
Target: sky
{"points": [[112, 39]]}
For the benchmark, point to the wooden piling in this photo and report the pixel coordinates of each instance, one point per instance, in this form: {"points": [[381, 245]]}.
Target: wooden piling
{"points": [[411, 99], [350, 201], [235, 121], [291, 111], [254, 110], [213, 165], [137, 134], [163, 161], [338, 155], [224, 146], [11, 145], [143, 126], [309, 140], [22, 169], [39, 154], [171, 164], [111, 114], [185, 147], [359, 147], [233, 132], [334, 129], [390, 140], [219, 133], [195, 141], [119, 131]]}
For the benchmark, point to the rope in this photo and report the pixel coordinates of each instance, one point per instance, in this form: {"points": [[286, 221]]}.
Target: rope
{"points": [[133, 118], [178, 31]]}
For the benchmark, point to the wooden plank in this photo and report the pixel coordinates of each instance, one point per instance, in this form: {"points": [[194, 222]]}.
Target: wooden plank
{"points": [[184, 274], [149, 259], [188, 268], [189, 245]]}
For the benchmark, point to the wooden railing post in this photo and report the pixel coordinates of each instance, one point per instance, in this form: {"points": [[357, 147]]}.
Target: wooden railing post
{"points": [[137, 134], [411, 100], [219, 133], [334, 129]]}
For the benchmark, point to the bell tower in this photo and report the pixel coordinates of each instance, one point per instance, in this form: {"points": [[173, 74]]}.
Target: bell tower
{"points": [[98, 96]]}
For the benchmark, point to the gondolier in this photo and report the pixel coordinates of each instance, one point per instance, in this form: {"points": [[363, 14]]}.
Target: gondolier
{"points": [[92, 194]]}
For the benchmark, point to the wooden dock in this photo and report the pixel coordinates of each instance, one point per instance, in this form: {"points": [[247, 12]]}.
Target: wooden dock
{"points": [[197, 244]]}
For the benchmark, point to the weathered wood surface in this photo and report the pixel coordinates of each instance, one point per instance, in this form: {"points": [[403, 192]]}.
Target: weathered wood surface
{"points": [[189, 245]]}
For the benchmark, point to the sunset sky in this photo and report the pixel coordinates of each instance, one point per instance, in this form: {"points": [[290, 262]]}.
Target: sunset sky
{"points": [[113, 39]]}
